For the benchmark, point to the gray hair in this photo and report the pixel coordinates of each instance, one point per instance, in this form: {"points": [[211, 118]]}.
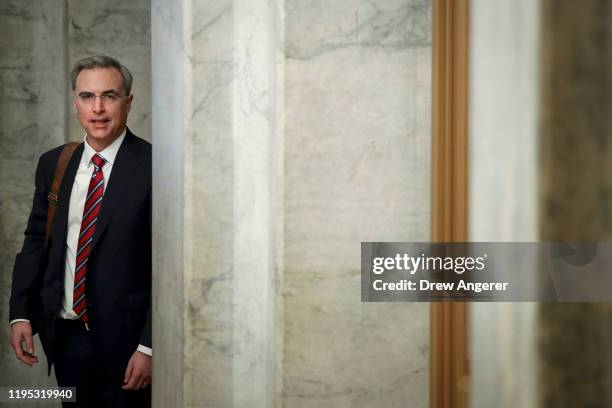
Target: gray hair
{"points": [[101, 61]]}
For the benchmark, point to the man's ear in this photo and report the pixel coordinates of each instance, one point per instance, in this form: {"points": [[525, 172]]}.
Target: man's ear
{"points": [[130, 98]]}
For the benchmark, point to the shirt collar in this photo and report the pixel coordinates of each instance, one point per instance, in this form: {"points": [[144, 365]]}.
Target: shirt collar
{"points": [[108, 154]]}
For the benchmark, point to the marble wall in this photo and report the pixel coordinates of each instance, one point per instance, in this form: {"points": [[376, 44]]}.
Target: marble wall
{"points": [[32, 118], [39, 41], [294, 133], [357, 159], [120, 29]]}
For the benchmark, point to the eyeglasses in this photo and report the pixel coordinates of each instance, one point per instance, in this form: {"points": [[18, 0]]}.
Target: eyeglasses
{"points": [[88, 98]]}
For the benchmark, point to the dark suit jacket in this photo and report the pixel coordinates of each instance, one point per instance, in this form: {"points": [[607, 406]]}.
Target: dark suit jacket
{"points": [[119, 267]]}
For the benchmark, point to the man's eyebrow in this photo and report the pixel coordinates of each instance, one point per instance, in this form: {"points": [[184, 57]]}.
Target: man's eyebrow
{"points": [[103, 92]]}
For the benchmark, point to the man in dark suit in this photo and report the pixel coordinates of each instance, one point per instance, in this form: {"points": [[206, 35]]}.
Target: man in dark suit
{"points": [[89, 294]]}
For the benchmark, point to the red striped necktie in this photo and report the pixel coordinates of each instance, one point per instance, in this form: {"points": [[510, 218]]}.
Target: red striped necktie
{"points": [[93, 203]]}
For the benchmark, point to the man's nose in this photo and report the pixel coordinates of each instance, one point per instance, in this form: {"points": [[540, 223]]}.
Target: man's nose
{"points": [[98, 105]]}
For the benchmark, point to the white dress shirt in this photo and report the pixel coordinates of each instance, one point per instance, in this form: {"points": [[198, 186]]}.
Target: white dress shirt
{"points": [[75, 216]]}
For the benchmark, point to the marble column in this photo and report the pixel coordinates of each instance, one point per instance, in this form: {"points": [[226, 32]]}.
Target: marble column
{"points": [[215, 154], [575, 199], [504, 111]]}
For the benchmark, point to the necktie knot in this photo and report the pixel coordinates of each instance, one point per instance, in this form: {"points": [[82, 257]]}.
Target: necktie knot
{"points": [[98, 160]]}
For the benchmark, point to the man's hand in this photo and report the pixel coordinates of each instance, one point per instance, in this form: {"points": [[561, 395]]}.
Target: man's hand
{"points": [[20, 332], [138, 372]]}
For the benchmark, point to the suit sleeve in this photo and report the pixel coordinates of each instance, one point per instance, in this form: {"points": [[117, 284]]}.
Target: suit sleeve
{"points": [[28, 271], [145, 338]]}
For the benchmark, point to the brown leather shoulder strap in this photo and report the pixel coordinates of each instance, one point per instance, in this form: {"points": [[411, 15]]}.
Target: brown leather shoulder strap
{"points": [[52, 197]]}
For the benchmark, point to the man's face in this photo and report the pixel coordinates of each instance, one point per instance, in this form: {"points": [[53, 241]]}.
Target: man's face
{"points": [[103, 118]]}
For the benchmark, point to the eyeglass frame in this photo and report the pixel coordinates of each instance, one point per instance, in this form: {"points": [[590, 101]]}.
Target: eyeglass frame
{"points": [[114, 97]]}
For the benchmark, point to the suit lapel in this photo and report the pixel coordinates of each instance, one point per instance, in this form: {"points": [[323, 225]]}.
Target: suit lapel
{"points": [[60, 224], [125, 163]]}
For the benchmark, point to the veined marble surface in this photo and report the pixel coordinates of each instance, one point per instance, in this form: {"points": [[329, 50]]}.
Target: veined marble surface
{"points": [[32, 121], [224, 121], [305, 129], [319, 27], [120, 29], [168, 204], [357, 149]]}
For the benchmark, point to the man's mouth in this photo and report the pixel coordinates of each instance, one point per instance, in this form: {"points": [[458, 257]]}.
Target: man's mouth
{"points": [[99, 123]]}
